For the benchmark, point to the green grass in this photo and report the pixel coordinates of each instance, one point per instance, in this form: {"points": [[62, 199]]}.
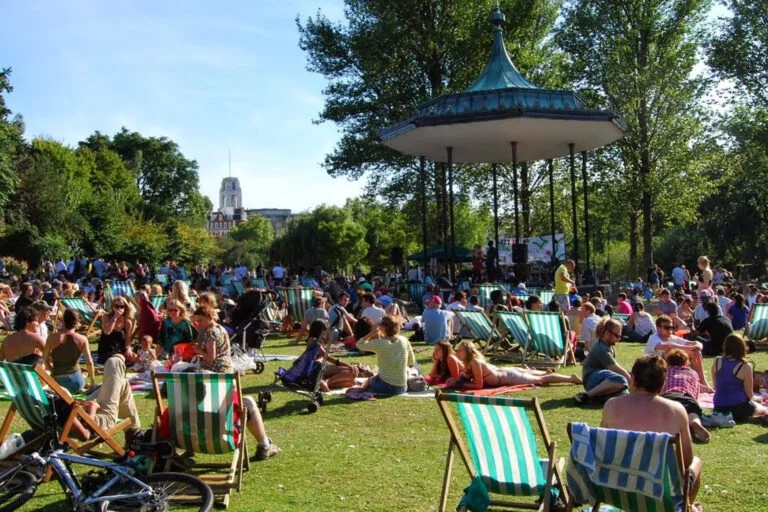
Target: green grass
{"points": [[390, 454]]}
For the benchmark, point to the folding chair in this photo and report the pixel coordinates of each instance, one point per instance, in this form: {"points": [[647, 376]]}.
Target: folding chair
{"points": [[484, 293], [162, 279], [517, 339], [206, 416], [628, 470], [498, 447], [480, 327], [417, 291], [549, 344], [157, 301], [84, 309], [546, 296], [238, 287], [122, 289], [259, 283], [298, 300], [24, 384], [757, 326], [621, 317]]}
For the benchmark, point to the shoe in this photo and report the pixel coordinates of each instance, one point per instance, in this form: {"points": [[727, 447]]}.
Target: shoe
{"points": [[581, 398], [263, 453], [718, 419]]}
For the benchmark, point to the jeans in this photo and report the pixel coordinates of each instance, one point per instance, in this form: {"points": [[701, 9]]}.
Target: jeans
{"points": [[72, 382], [378, 387]]}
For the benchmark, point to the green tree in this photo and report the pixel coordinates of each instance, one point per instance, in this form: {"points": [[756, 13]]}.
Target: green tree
{"points": [[385, 227], [248, 243], [638, 58], [11, 142]]}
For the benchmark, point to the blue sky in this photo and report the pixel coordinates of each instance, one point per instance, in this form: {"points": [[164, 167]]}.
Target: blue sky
{"points": [[211, 76]]}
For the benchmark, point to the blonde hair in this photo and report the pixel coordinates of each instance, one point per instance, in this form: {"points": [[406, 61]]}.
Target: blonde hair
{"points": [[128, 307], [180, 291], [207, 299], [605, 323], [471, 350], [175, 304], [156, 290]]}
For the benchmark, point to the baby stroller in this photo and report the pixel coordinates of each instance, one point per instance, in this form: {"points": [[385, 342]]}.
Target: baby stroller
{"points": [[251, 329], [303, 377]]}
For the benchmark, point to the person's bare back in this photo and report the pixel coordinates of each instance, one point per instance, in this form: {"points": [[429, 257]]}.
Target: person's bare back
{"points": [[20, 344]]}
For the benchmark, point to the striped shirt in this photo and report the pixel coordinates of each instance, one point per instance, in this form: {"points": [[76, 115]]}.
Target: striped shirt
{"points": [[682, 379], [393, 356]]}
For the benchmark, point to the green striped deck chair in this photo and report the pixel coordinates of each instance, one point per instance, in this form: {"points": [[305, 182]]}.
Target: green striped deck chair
{"points": [[480, 327], [162, 279], [498, 446], [193, 301], [546, 296], [206, 416], [517, 338], [157, 301], [83, 307], [484, 293], [239, 288], [633, 471], [298, 300], [548, 344], [260, 283], [621, 317], [417, 291], [757, 327], [122, 289], [25, 386]]}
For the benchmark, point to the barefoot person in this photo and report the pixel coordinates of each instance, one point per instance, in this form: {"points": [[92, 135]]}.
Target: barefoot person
{"points": [[643, 410]]}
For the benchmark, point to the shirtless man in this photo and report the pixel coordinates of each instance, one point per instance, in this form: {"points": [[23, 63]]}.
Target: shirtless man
{"points": [[643, 410], [25, 340]]}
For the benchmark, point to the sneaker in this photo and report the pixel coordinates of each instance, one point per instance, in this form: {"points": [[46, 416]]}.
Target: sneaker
{"points": [[265, 452], [581, 398], [718, 419]]}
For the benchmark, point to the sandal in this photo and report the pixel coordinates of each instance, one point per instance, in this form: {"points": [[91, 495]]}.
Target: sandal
{"points": [[700, 433]]}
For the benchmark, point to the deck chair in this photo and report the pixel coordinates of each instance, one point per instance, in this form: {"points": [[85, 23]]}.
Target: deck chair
{"points": [[122, 289], [83, 307], [546, 296], [260, 283], [498, 447], [417, 291], [480, 327], [549, 345], [517, 340], [298, 300], [24, 384], [484, 293], [757, 326], [162, 279], [625, 469], [621, 317], [206, 418], [238, 287], [157, 301]]}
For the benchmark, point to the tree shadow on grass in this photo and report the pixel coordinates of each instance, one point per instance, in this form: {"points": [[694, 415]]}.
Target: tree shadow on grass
{"points": [[762, 438], [566, 403]]}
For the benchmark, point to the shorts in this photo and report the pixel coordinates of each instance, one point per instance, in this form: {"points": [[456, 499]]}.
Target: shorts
{"points": [[378, 387], [740, 411], [563, 300], [596, 378], [690, 405], [72, 382]]}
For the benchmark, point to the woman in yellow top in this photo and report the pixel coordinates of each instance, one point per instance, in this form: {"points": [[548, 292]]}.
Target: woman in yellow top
{"points": [[393, 355]]}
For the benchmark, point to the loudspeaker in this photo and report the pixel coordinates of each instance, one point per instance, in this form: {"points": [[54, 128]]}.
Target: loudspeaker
{"points": [[396, 256], [520, 253], [444, 283]]}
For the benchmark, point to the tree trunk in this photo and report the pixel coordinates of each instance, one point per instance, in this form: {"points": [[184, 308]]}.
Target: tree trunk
{"points": [[633, 239], [646, 201], [525, 198]]}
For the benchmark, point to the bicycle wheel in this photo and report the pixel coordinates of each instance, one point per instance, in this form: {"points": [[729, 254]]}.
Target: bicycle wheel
{"points": [[172, 491], [16, 489]]}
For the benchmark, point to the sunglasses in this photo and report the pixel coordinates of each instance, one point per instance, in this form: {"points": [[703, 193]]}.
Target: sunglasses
{"points": [[617, 334], [118, 306], [666, 326], [173, 310]]}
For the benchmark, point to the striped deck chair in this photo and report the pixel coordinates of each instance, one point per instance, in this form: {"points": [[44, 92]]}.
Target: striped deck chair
{"points": [[83, 307], [498, 447], [417, 291], [122, 289], [633, 471], [162, 279], [484, 293], [260, 283], [157, 301], [24, 384], [206, 416], [546, 296], [480, 327], [549, 345], [517, 338], [621, 317], [239, 287], [298, 300], [757, 327]]}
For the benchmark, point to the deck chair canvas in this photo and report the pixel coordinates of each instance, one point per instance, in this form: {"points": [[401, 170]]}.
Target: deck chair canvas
{"points": [[517, 339], [25, 385], [260, 283], [239, 288], [206, 416], [162, 279], [417, 291], [484, 293], [84, 309], [621, 317], [122, 289], [625, 469], [298, 300], [546, 296], [549, 346], [757, 326], [497, 443], [157, 301], [480, 327]]}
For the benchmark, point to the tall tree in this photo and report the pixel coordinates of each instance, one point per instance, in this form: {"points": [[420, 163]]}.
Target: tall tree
{"points": [[11, 142], [637, 58]]}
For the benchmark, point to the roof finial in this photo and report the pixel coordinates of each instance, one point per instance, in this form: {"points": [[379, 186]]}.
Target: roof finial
{"points": [[497, 17]]}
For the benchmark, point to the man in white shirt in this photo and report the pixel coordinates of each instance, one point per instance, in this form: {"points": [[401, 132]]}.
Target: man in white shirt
{"points": [[752, 297], [459, 304], [589, 321], [700, 313], [722, 300], [43, 311], [415, 275], [370, 310]]}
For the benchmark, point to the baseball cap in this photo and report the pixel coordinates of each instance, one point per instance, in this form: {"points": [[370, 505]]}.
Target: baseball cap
{"points": [[41, 305], [705, 293], [435, 300], [367, 287], [361, 280]]}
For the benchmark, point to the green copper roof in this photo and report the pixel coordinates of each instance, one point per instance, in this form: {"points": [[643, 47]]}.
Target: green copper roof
{"points": [[499, 73]]}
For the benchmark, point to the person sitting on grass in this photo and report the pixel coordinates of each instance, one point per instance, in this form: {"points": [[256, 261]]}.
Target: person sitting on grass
{"points": [[603, 376], [643, 410], [738, 312], [479, 374], [639, 326], [338, 374], [445, 364], [394, 355], [682, 386], [713, 330], [665, 341], [732, 379]]}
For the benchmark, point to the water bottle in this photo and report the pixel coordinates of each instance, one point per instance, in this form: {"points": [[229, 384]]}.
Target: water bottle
{"points": [[11, 445]]}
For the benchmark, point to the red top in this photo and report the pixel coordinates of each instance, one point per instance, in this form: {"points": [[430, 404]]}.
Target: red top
{"points": [[682, 379]]}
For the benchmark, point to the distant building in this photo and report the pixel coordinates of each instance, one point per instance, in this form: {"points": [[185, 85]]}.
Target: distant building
{"points": [[231, 211]]}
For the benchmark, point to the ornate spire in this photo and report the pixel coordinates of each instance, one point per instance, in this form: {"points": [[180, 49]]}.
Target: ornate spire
{"points": [[499, 73]]}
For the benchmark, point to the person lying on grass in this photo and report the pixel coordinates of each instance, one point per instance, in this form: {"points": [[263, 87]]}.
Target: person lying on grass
{"points": [[683, 386], [338, 374], [445, 364], [602, 375], [643, 410], [479, 374]]}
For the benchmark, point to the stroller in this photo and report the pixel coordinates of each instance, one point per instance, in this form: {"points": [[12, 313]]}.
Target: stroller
{"points": [[252, 327], [303, 377]]}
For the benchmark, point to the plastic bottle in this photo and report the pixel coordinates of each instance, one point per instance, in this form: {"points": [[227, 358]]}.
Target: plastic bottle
{"points": [[10, 445]]}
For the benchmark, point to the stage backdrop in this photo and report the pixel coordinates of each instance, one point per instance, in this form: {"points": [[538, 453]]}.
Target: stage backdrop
{"points": [[539, 248]]}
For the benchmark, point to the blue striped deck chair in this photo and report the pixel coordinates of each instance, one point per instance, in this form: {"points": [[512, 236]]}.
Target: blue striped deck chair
{"points": [[239, 287], [25, 386], [549, 346], [757, 327], [484, 293], [298, 300], [162, 279], [417, 291], [498, 446], [83, 307], [122, 289], [260, 283], [517, 337], [480, 327], [633, 471], [206, 417], [158, 301]]}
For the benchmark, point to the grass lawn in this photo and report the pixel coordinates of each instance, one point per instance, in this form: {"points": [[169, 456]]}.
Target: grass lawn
{"points": [[389, 454]]}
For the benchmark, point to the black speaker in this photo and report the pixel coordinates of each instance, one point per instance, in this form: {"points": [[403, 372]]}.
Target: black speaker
{"points": [[520, 253], [396, 256]]}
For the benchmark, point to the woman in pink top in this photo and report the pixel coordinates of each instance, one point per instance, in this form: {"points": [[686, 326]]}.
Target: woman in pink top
{"points": [[682, 386], [623, 305]]}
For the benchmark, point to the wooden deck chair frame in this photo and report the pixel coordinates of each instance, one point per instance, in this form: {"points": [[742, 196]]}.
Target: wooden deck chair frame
{"points": [[537, 352], [555, 467], [62, 305], [756, 330], [76, 413], [221, 484], [493, 338], [684, 472]]}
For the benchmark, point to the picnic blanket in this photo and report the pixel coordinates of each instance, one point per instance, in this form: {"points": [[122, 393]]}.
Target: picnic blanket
{"points": [[497, 391], [427, 393], [706, 400]]}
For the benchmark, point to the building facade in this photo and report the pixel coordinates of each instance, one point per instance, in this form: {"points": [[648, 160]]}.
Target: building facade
{"points": [[231, 211], [278, 217]]}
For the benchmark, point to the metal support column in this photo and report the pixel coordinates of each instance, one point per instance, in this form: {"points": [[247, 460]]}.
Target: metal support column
{"points": [[586, 207], [423, 179], [514, 189], [574, 219], [495, 173], [552, 207], [453, 227]]}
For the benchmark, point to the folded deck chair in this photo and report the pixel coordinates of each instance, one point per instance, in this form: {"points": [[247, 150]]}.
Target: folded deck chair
{"points": [[484, 293], [206, 416], [549, 345], [416, 291], [83, 307], [24, 384], [628, 470], [757, 327], [480, 327], [517, 340], [298, 300], [497, 445]]}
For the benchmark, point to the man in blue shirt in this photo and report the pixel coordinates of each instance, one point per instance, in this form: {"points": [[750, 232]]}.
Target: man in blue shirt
{"points": [[438, 323]]}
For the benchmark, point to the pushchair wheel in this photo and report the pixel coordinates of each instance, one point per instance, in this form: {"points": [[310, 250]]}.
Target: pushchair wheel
{"points": [[319, 398], [259, 367], [313, 407]]}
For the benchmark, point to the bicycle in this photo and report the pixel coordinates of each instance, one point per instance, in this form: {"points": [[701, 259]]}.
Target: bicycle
{"points": [[114, 488]]}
